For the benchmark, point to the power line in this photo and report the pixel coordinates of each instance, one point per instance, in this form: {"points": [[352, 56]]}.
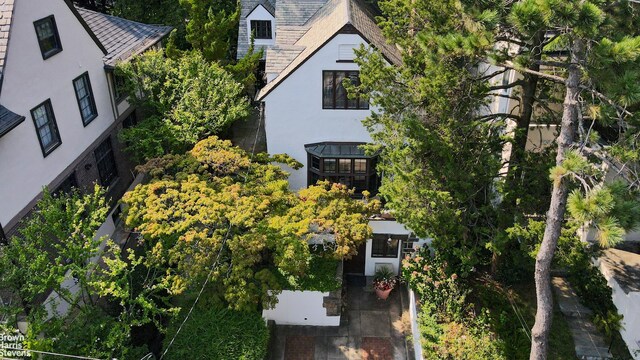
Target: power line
{"points": [[224, 241]]}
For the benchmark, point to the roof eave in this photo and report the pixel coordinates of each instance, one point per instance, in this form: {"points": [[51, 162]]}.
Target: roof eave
{"points": [[111, 64], [85, 26]]}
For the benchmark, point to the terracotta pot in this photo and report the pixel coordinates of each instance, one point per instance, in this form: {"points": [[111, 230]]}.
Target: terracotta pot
{"points": [[383, 294]]}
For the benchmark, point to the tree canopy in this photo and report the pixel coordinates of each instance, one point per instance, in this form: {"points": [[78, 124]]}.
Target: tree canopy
{"points": [[184, 100], [218, 212]]}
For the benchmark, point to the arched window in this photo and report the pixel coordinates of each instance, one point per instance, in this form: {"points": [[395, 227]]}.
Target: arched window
{"points": [[344, 163]]}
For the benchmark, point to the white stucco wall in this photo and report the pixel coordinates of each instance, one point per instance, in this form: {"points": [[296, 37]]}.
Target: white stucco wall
{"points": [[260, 13], [28, 81], [628, 306], [301, 308], [294, 115], [392, 228]]}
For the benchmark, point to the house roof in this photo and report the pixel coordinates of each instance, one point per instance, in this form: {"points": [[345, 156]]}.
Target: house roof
{"points": [[624, 266], [120, 37], [6, 15], [247, 7], [8, 120], [337, 150], [303, 33]]}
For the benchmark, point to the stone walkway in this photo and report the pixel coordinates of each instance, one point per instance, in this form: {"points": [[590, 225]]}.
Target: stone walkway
{"points": [[590, 345], [371, 329], [243, 133]]}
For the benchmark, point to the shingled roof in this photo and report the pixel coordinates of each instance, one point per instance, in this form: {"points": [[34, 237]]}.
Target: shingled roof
{"points": [[8, 120], [6, 14], [122, 38], [247, 7], [303, 33]]}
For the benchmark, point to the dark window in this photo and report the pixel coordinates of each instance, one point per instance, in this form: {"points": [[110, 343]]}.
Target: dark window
{"points": [[46, 127], [118, 87], [48, 37], [330, 165], [86, 102], [344, 166], [106, 163], [315, 163], [130, 121], [354, 173], [261, 29], [334, 95], [385, 246], [67, 186]]}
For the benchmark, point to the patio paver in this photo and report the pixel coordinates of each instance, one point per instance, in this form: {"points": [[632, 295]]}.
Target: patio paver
{"points": [[371, 329]]}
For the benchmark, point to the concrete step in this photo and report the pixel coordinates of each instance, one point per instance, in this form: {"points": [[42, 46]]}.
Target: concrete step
{"points": [[592, 353]]}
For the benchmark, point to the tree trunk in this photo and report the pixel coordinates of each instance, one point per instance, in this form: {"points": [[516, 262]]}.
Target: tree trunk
{"points": [[555, 216], [521, 133]]}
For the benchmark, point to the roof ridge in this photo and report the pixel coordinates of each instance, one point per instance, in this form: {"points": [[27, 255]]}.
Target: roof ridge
{"points": [[348, 12], [116, 17]]}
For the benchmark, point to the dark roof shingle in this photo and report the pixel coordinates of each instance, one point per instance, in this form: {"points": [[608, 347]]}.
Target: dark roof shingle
{"points": [[122, 38], [6, 14], [8, 120]]}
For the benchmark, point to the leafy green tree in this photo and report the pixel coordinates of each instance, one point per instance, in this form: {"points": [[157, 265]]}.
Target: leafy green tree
{"points": [[589, 31], [215, 213], [54, 243], [586, 48], [164, 12], [439, 157], [212, 27], [184, 100]]}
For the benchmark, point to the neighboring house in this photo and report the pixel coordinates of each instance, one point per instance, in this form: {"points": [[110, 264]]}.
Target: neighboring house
{"points": [[621, 268], [60, 106], [307, 114]]}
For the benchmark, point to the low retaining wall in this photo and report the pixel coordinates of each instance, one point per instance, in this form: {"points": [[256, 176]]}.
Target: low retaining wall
{"points": [[303, 308], [315, 308]]}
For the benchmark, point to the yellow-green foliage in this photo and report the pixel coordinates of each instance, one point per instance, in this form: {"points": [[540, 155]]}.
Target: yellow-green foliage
{"points": [[216, 208]]}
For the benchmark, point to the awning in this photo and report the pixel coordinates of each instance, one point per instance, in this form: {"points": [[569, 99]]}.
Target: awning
{"points": [[338, 150], [8, 120]]}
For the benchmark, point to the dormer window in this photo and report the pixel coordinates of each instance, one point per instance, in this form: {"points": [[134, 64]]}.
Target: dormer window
{"points": [[261, 29], [48, 37]]}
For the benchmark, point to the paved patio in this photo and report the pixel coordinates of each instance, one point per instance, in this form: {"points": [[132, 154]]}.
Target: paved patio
{"points": [[370, 329]]}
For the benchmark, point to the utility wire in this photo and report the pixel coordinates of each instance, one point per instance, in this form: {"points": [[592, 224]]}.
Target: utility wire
{"points": [[224, 241]]}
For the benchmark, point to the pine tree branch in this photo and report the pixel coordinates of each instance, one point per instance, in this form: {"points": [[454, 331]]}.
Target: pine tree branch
{"points": [[492, 75], [504, 96], [512, 40], [559, 64], [507, 86], [554, 78], [604, 98], [499, 115]]}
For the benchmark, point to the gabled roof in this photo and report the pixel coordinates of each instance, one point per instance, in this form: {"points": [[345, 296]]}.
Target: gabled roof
{"points": [[298, 38], [120, 37], [6, 15], [246, 8]]}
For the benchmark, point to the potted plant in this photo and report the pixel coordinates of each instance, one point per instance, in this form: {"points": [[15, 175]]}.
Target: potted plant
{"points": [[384, 280]]}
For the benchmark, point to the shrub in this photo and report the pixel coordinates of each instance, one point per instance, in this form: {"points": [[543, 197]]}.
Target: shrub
{"points": [[455, 340], [215, 333], [429, 277], [320, 276]]}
